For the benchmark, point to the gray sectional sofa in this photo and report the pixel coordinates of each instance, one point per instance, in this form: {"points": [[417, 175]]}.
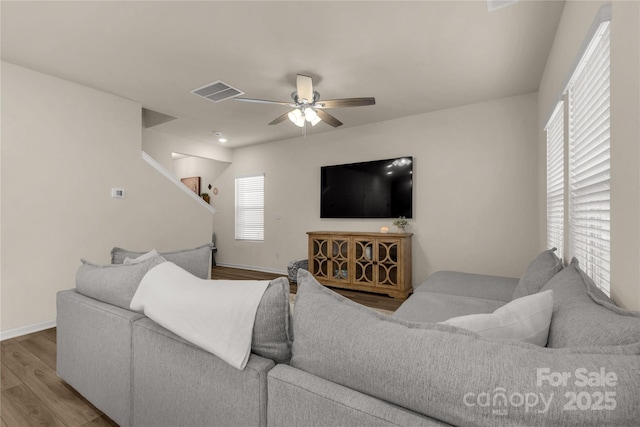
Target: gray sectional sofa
{"points": [[342, 364], [139, 373]]}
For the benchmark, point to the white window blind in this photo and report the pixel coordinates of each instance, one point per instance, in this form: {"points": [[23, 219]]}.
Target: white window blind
{"points": [[589, 160], [250, 207], [555, 179]]}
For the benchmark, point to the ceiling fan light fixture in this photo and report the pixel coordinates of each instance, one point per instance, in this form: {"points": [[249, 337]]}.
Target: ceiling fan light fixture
{"points": [[310, 115], [307, 107], [296, 117]]}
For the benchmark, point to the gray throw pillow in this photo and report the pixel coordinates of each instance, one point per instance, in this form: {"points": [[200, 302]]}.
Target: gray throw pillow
{"points": [[114, 283], [271, 334], [196, 261], [539, 272], [453, 375], [584, 316]]}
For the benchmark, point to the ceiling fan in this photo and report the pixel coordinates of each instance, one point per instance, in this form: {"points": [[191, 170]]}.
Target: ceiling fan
{"points": [[307, 106]]}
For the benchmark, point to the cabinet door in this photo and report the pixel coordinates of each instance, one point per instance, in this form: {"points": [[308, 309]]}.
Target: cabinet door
{"points": [[339, 259], [330, 258], [386, 255], [364, 261], [319, 262]]}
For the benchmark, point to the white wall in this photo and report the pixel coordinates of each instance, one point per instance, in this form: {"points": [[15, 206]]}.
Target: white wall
{"points": [[475, 186], [207, 161], [64, 146], [207, 169], [574, 25], [160, 145]]}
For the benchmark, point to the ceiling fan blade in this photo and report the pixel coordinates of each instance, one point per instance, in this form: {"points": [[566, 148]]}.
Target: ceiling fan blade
{"points": [[264, 101], [328, 118], [346, 102], [304, 86], [279, 119]]}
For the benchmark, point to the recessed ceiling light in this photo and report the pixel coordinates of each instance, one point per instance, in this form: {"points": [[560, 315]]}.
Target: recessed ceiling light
{"points": [[220, 137]]}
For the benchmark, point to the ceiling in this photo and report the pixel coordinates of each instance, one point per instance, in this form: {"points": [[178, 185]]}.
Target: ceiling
{"points": [[413, 57]]}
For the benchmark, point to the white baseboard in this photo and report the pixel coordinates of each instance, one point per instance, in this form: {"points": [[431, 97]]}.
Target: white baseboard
{"points": [[24, 330], [251, 267]]}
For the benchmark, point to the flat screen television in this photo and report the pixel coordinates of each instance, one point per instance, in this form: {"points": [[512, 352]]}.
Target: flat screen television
{"points": [[376, 189]]}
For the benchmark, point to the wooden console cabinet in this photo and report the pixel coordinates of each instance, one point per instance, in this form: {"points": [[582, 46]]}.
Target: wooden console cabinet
{"points": [[373, 262]]}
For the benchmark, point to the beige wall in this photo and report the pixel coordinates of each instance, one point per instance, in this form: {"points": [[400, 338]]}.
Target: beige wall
{"points": [[625, 153], [475, 183], [64, 146], [574, 25], [160, 145], [207, 169]]}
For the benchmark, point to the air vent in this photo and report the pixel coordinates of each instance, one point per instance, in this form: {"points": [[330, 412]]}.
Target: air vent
{"points": [[217, 91]]}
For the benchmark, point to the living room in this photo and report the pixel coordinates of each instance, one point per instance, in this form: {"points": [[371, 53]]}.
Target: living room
{"points": [[479, 185], [479, 196]]}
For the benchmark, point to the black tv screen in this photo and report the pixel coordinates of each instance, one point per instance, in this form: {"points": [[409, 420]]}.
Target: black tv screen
{"points": [[377, 189]]}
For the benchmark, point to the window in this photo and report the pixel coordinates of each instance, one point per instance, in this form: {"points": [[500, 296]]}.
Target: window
{"points": [[589, 161], [584, 117], [250, 207], [555, 179]]}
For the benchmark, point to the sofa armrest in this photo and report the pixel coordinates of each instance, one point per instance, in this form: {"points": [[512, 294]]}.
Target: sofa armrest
{"points": [[94, 352], [298, 398]]}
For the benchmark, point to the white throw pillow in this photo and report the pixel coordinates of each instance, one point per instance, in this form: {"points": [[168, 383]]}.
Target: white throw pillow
{"points": [[141, 258], [524, 319]]}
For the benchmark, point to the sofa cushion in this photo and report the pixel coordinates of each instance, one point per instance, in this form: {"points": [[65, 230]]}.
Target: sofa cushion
{"points": [[298, 398], [437, 307], [584, 316], [196, 261], [539, 272], [220, 316], [470, 285], [526, 319], [113, 283], [454, 375], [141, 258], [271, 329]]}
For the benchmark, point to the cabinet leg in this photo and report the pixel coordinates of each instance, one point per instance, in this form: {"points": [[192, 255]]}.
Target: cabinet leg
{"points": [[399, 295]]}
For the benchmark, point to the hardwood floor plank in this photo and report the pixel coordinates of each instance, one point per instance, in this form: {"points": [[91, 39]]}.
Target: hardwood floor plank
{"points": [[369, 299], [43, 348], [44, 382], [102, 421], [48, 333], [51, 333], [12, 416], [9, 379], [23, 408], [228, 273]]}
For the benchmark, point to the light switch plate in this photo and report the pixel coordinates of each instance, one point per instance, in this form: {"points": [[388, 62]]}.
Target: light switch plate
{"points": [[117, 193]]}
